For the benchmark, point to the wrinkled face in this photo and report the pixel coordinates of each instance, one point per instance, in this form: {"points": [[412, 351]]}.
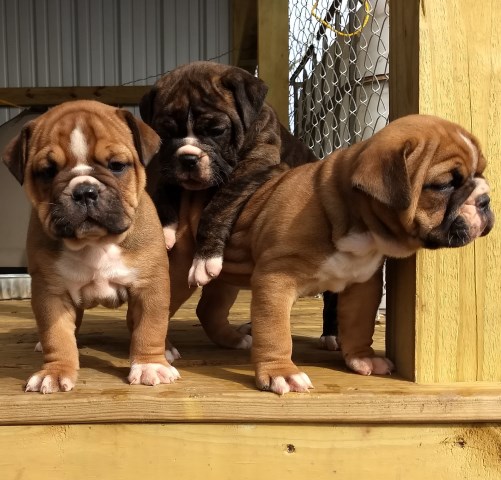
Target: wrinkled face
{"points": [[202, 113], [82, 174], [423, 177], [197, 149], [454, 205]]}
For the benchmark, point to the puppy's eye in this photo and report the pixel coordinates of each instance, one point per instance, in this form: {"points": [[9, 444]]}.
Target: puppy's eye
{"points": [[167, 128], [117, 167], [439, 187], [47, 173], [455, 182], [457, 179], [216, 130]]}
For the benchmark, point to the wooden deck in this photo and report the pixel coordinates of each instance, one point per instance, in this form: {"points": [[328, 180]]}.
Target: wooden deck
{"points": [[217, 385]]}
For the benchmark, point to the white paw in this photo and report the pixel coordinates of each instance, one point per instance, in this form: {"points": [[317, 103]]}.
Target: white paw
{"points": [[245, 328], [172, 353], [370, 365], [202, 271], [38, 347], [152, 374], [49, 384], [329, 342], [298, 382], [170, 235], [245, 343]]}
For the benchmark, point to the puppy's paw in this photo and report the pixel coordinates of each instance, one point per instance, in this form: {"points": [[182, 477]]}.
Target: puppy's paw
{"points": [[202, 271], [152, 374], [46, 381], [297, 382], [370, 365], [172, 353], [170, 235], [245, 328], [282, 380], [329, 342], [245, 343]]}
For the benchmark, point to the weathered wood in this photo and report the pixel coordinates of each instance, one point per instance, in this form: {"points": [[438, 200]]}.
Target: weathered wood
{"points": [[40, 96], [443, 306], [273, 53], [247, 452]]}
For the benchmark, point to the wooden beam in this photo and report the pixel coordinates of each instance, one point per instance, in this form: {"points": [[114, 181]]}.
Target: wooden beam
{"points": [[443, 306], [28, 97], [273, 53], [249, 451]]}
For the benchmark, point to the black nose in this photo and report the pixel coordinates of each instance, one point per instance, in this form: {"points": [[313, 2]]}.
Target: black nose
{"points": [[85, 193], [483, 202], [188, 162]]}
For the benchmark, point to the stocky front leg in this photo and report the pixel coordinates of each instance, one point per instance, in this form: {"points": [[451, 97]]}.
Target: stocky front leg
{"points": [[357, 310], [147, 318], [55, 316], [78, 322], [272, 300]]}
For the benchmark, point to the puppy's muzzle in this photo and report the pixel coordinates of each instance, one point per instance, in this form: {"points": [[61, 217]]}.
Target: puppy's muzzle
{"points": [[85, 194], [483, 202], [188, 162], [484, 206]]}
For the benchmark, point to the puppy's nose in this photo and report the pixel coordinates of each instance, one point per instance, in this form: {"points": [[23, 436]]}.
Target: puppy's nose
{"points": [[483, 202], [188, 161], [85, 193]]}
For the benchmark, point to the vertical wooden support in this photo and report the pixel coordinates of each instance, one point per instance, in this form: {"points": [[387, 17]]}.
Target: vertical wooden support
{"points": [[444, 306], [273, 53], [244, 34]]}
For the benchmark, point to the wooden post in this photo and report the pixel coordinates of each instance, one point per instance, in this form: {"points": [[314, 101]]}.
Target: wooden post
{"points": [[244, 34], [444, 306], [273, 53]]}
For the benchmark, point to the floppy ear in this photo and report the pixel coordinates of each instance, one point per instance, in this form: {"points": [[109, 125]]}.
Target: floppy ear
{"points": [[146, 141], [146, 105], [383, 175], [15, 154], [249, 93]]}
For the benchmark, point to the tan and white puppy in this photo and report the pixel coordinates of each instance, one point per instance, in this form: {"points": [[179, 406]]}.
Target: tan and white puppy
{"points": [[94, 236], [329, 225]]}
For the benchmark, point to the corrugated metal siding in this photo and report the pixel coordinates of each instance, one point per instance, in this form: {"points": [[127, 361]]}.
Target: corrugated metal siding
{"points": [[51, 43]]}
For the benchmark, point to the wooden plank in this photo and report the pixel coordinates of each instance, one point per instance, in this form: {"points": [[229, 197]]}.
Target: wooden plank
{"points": [[444, 61], [249, 451], [39, 96], [217, 384], [273, 53]]}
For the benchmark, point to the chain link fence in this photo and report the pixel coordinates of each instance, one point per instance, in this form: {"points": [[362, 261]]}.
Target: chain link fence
{"points": [[338, 71]]}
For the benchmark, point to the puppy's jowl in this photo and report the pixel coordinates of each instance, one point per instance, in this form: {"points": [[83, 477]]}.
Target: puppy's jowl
{"points": [[94, 236], [418, 183]]}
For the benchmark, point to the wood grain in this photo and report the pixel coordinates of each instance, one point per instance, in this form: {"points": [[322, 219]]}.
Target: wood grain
{"points": [[250, 451], [48, 96], [445, 62]]}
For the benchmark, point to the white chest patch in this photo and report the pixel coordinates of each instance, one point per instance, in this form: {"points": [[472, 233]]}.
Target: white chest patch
{"points": [[356, 260], [96, 275]]}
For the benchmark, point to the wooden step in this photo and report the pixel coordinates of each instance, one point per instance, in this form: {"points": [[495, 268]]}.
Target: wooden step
{"points": [[217, 384]]}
